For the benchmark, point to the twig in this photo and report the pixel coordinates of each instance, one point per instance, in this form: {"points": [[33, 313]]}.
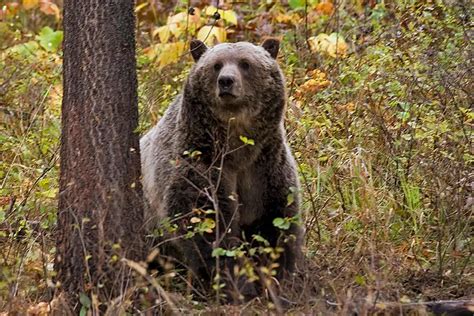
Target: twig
{"points": [[142, 271]]}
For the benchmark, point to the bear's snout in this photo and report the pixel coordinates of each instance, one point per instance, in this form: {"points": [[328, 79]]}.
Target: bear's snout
{"points": [[228, 83], [225, 83]]}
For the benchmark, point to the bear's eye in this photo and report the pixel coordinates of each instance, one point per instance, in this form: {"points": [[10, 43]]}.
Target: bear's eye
{"points": [[244, 65], [217, 66]]}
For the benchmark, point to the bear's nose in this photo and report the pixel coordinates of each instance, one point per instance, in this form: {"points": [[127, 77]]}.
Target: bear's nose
{"points": [[225, 82]]}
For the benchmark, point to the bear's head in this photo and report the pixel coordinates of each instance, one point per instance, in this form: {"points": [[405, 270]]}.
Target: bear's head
{"points": [[237, 80]]}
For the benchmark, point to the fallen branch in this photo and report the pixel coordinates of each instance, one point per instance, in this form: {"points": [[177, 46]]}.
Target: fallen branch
{"points": [[448, 307]]}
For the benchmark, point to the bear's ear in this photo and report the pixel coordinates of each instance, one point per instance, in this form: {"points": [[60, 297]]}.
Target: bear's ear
{"points": [[197, 49], [272, 45]]}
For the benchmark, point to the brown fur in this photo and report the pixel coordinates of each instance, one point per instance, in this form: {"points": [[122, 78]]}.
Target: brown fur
{"points": [[233, 90]]}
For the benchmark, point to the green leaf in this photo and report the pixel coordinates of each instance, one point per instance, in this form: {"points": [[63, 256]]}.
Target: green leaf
{"points": [[192, 154], [290, 199], [85, 300], [247, 141], [296, 4], [207, 225], [50, 194], [218, 252], [50, 40], [281, 223], [218, 286], [230, 253], [25, 50], [360, 280], [261, 239]]}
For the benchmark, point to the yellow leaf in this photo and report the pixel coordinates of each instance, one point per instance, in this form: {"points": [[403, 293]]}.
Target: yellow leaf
{"points": [[287, 18], [163, 33], [316, 83], [318, 43], [210, 35], [210, 10], [30, 4], [229, 16], [317, 74], [381, 305], [141, 6], [177, 23], [177, 18], [193, 22], [209, 224], [283, 18], [168, 53], [334, 45], [348, 107]]}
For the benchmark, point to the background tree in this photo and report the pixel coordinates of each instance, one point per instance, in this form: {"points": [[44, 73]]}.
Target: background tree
{"points": [[100, 206]]}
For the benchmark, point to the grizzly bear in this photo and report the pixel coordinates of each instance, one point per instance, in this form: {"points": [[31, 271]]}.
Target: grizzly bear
{"points": [[218, 165]]}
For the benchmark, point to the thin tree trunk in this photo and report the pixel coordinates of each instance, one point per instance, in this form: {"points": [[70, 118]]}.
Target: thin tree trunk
{"points": [[100, 203]]}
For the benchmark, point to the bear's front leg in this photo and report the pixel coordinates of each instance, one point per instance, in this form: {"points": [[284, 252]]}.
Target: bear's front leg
{"points": [[206, 215], [281, 200]]}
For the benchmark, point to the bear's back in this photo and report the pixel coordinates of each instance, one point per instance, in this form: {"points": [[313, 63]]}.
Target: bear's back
{"points": [[158, 150]]}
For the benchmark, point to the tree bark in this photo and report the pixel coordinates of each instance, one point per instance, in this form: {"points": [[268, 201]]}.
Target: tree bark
{"points": [[100, 213]]}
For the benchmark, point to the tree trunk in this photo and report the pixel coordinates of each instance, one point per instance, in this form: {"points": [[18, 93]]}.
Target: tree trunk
{"points": [[100, 214]]}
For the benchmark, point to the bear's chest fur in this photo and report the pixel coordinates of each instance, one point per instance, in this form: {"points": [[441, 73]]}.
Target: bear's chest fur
{"points": [[243, 143], [250, 194]]}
